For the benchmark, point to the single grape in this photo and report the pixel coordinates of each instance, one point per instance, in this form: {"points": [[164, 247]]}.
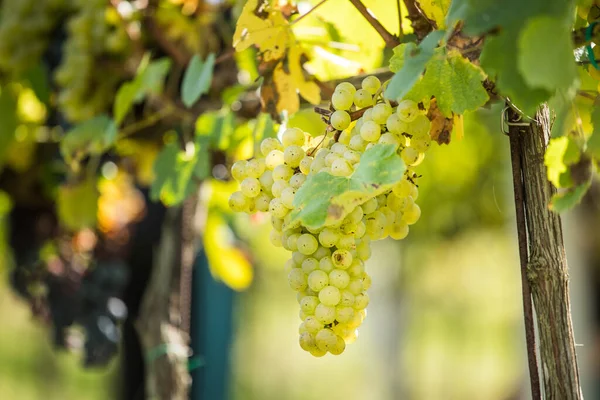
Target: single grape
{"points": [[322, 252], [277, 208], [274, 158], [275, 238], [238, 202], [278, 187], [307, 244], [308, 304], [344, 313], [328, 237], [352, 156], [389, 138], [346, 299], [250, 187], [238, 170], [287, 197], [355, 287], [341, 259], [370, 131], [338, 348], [342, 100], [312, 324], [419, 126], [361, 301], [363, 98], [409, 155], [412, 214], [340, 120], [347, 87], [305, 165], [371, 84], [255, 167], [293, 137], [317, 280], [262, 202], [330, 296], [407, 110], [297, 279], [341, 167], [309, 265], [326, 265], [282, 172], [380, 113], [268, 145], [307, 341], [399, 230], [325, 314], [370, 206], [297, 180], [339, 278], [292, 155], [266, 180]]}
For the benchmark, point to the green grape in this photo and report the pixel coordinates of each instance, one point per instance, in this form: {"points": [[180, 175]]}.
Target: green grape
{"points": [[268, 145], [344, 314], [250, 187], [370, 206], [309, 265], [394, 125], [352, 156], [370, 131], [347, 87], [339, 278], [340, 120], [238, 170], [389, 138], [293, 137], [262, 202], [273, 159], [291, 241], [298, 257], [277, 208], [266, 180], [308, 304], [330, 296], [325, 314], [307, 244], [278, 187], [356, 269], [307, 341], [361, 301], [380, 113], [312, 324], [402, 188], [238, 202], [342, 100], [282, 172], [347, 298], [341, 167], [361, 230], [326, 265], [317, 165], [297, 279], [325, 339], [255, 168], [276, 223], [407, 110], [338, 348], [355, 287], [367, 116], [321, 253], [317, 280], [366, 282], [357, 143], [419, 126], [297, 180], [409, 155], [316, 352], [345, 137], [292, 155], [338, 148], [341, 259], [287, 197], [305, 165], [411, 214], [328, 237], [399, 230], [346, 242], [363, 98], [371, 84], [420, 143]]}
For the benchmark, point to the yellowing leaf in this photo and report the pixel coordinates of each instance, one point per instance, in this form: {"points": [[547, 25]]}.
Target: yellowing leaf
{"points": [[263, 27], [227, 262], [459, 126], [436, 10], [279, 91], [77, 204]]}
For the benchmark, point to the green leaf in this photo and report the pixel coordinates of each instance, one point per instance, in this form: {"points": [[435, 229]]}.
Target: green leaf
{"points": [[177, 172], [38, 81], [197, 79], [569, 198], [454, 81], [412, 60], [149, 79], [593, 143], [124, 100], [509, 81], [152, 78], [560, 153], [325, 199], [93, 136], [546, 54]]}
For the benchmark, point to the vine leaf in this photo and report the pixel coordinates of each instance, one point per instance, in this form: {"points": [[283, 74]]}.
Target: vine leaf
{"points": [[77, 204], [408, 63], [325, 199], [8, 116], [435, 10], [441, 126], [454, 81], [149, 79], [569, 198], [93, 136], [178, 172], [263, 27], [197, 79], [593, 143], [546, 54], [560, 153], [279, 91]]}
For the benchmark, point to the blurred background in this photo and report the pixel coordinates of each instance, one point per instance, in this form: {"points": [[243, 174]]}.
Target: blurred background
{"points": [[445, 318]]}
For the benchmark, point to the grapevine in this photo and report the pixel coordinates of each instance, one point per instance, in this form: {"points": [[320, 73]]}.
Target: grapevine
{"points": [[327, 265]]}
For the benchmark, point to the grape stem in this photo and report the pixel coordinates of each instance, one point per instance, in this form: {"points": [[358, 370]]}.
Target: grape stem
{"points": [[390, 40]]}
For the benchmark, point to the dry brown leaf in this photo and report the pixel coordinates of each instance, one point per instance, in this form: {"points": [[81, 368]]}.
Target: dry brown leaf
{"points": [[441, 127]]}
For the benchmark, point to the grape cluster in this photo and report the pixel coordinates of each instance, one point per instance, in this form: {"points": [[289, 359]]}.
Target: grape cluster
{"points": [[327, 266], [95, 35]]}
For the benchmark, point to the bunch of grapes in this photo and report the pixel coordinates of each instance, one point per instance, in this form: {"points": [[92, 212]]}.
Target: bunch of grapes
{"points": [[95, 35], [327, 266]]}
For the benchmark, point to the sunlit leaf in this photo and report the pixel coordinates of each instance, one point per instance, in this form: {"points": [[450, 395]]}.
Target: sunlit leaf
{"points": [[197, 79]]}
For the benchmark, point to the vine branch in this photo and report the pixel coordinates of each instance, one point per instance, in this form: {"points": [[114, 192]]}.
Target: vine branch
{"points": [[515, 156], [390, 40]]}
